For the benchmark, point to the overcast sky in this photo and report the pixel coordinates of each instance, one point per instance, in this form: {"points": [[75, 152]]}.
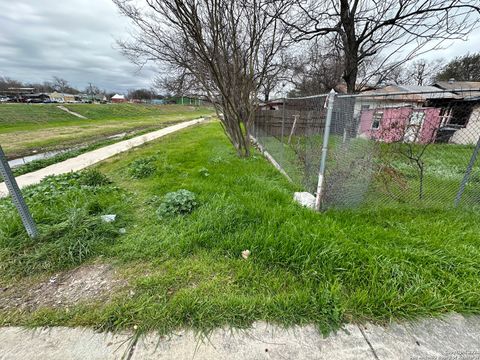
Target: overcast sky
{"points": [[75, 40], [72, 39]]}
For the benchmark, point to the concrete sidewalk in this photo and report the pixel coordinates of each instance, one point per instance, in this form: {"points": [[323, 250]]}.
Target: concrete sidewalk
{"points": [[85, 160], [454, 337]]}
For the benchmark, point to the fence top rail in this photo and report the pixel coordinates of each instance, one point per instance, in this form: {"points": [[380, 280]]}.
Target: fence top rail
{"points": [[304, 97], [454, 94], [397, 93]]}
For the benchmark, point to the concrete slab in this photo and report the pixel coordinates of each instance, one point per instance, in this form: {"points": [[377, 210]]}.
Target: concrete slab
{"points": [[85, 160], [60, 343], [262, 341], [453, 337]]}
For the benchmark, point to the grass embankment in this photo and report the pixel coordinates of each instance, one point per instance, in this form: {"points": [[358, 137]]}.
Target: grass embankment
{"points": [[28, 128], [187, 270]]}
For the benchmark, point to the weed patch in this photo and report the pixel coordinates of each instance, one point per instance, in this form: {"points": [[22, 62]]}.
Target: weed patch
{"points": [[67, 210], [142, 168], [180, 202]]}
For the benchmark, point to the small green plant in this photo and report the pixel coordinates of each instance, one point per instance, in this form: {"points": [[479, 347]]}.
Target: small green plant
{"points": [[142, 168], [93, 177], [177, 203], [53, 186], [204, 172]]}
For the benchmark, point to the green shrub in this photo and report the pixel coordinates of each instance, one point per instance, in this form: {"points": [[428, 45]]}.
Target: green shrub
{"points": [[142, 168], [93, 177], [177, 203]]}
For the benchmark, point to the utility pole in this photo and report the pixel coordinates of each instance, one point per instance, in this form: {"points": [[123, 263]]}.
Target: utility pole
{"points": [[91, 91]]}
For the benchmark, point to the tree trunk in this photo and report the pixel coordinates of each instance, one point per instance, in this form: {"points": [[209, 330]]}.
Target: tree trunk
{"points": [[350, 45]]}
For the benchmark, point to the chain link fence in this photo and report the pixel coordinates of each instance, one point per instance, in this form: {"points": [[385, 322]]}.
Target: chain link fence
{"points": [[382, 148]]}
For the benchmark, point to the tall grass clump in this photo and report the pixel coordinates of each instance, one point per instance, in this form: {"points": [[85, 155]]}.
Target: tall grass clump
{"points": [[67, 210]]}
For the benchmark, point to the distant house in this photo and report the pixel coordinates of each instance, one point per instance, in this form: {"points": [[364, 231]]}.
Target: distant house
{"points": [[465, 88], [117, 98], [403, 113], [401, 95], [56, 96], [342, 88], [460, 121], [394, 124], [461, 118], [37, 98], [62, 97], [271, 105], [186, 100]]}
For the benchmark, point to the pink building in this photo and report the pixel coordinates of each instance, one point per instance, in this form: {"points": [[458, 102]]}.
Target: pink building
{"points": [[394, 124]]}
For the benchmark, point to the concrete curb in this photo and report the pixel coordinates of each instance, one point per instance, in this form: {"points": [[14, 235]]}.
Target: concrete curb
{"points": [[85, 160], [453, 337]]}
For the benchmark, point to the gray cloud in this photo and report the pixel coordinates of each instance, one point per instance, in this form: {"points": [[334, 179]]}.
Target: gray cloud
{"points": [[72, 39]]}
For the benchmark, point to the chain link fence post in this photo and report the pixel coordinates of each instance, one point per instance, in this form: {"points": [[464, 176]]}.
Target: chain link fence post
{"points": [[17, 197], [468, 172], [283, 128], [326, 136]]}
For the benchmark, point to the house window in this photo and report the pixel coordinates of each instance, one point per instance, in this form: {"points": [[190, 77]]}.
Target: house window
{"points": [[377, 118], [365, 107]]}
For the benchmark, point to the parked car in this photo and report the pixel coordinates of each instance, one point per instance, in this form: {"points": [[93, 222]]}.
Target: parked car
{"points": [[34, 101]]}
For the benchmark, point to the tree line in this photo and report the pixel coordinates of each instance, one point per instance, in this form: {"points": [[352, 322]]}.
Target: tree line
{"points": [[62, 85]]}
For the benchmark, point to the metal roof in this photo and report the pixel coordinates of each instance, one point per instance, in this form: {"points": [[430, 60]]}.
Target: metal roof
{"points": [[453, 85], [410, 93], [466, 89]]}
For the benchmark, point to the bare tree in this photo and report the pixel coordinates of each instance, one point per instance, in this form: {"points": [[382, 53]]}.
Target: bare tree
{"points": [[391, 30], [60, 84], [178, 83], [316, 69], [6, 83], [141, 94], [226, 46], [418, 72], [422, 72]]}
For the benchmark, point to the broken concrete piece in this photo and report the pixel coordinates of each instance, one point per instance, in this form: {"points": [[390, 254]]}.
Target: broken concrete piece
{"points": [[108, 218], [305, 199]]}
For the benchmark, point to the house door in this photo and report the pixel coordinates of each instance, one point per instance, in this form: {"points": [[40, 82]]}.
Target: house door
{"points": [[414, 126]]}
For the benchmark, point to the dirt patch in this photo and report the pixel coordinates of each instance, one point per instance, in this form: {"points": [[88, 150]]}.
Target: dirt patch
{"points": [[85, 284]]}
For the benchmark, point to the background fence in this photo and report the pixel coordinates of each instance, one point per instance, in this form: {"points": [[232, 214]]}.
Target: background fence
{"points": [[418, 148]]}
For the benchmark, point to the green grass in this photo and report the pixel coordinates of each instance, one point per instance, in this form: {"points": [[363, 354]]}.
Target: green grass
{"points": [[187, 271], [27, 128]]}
